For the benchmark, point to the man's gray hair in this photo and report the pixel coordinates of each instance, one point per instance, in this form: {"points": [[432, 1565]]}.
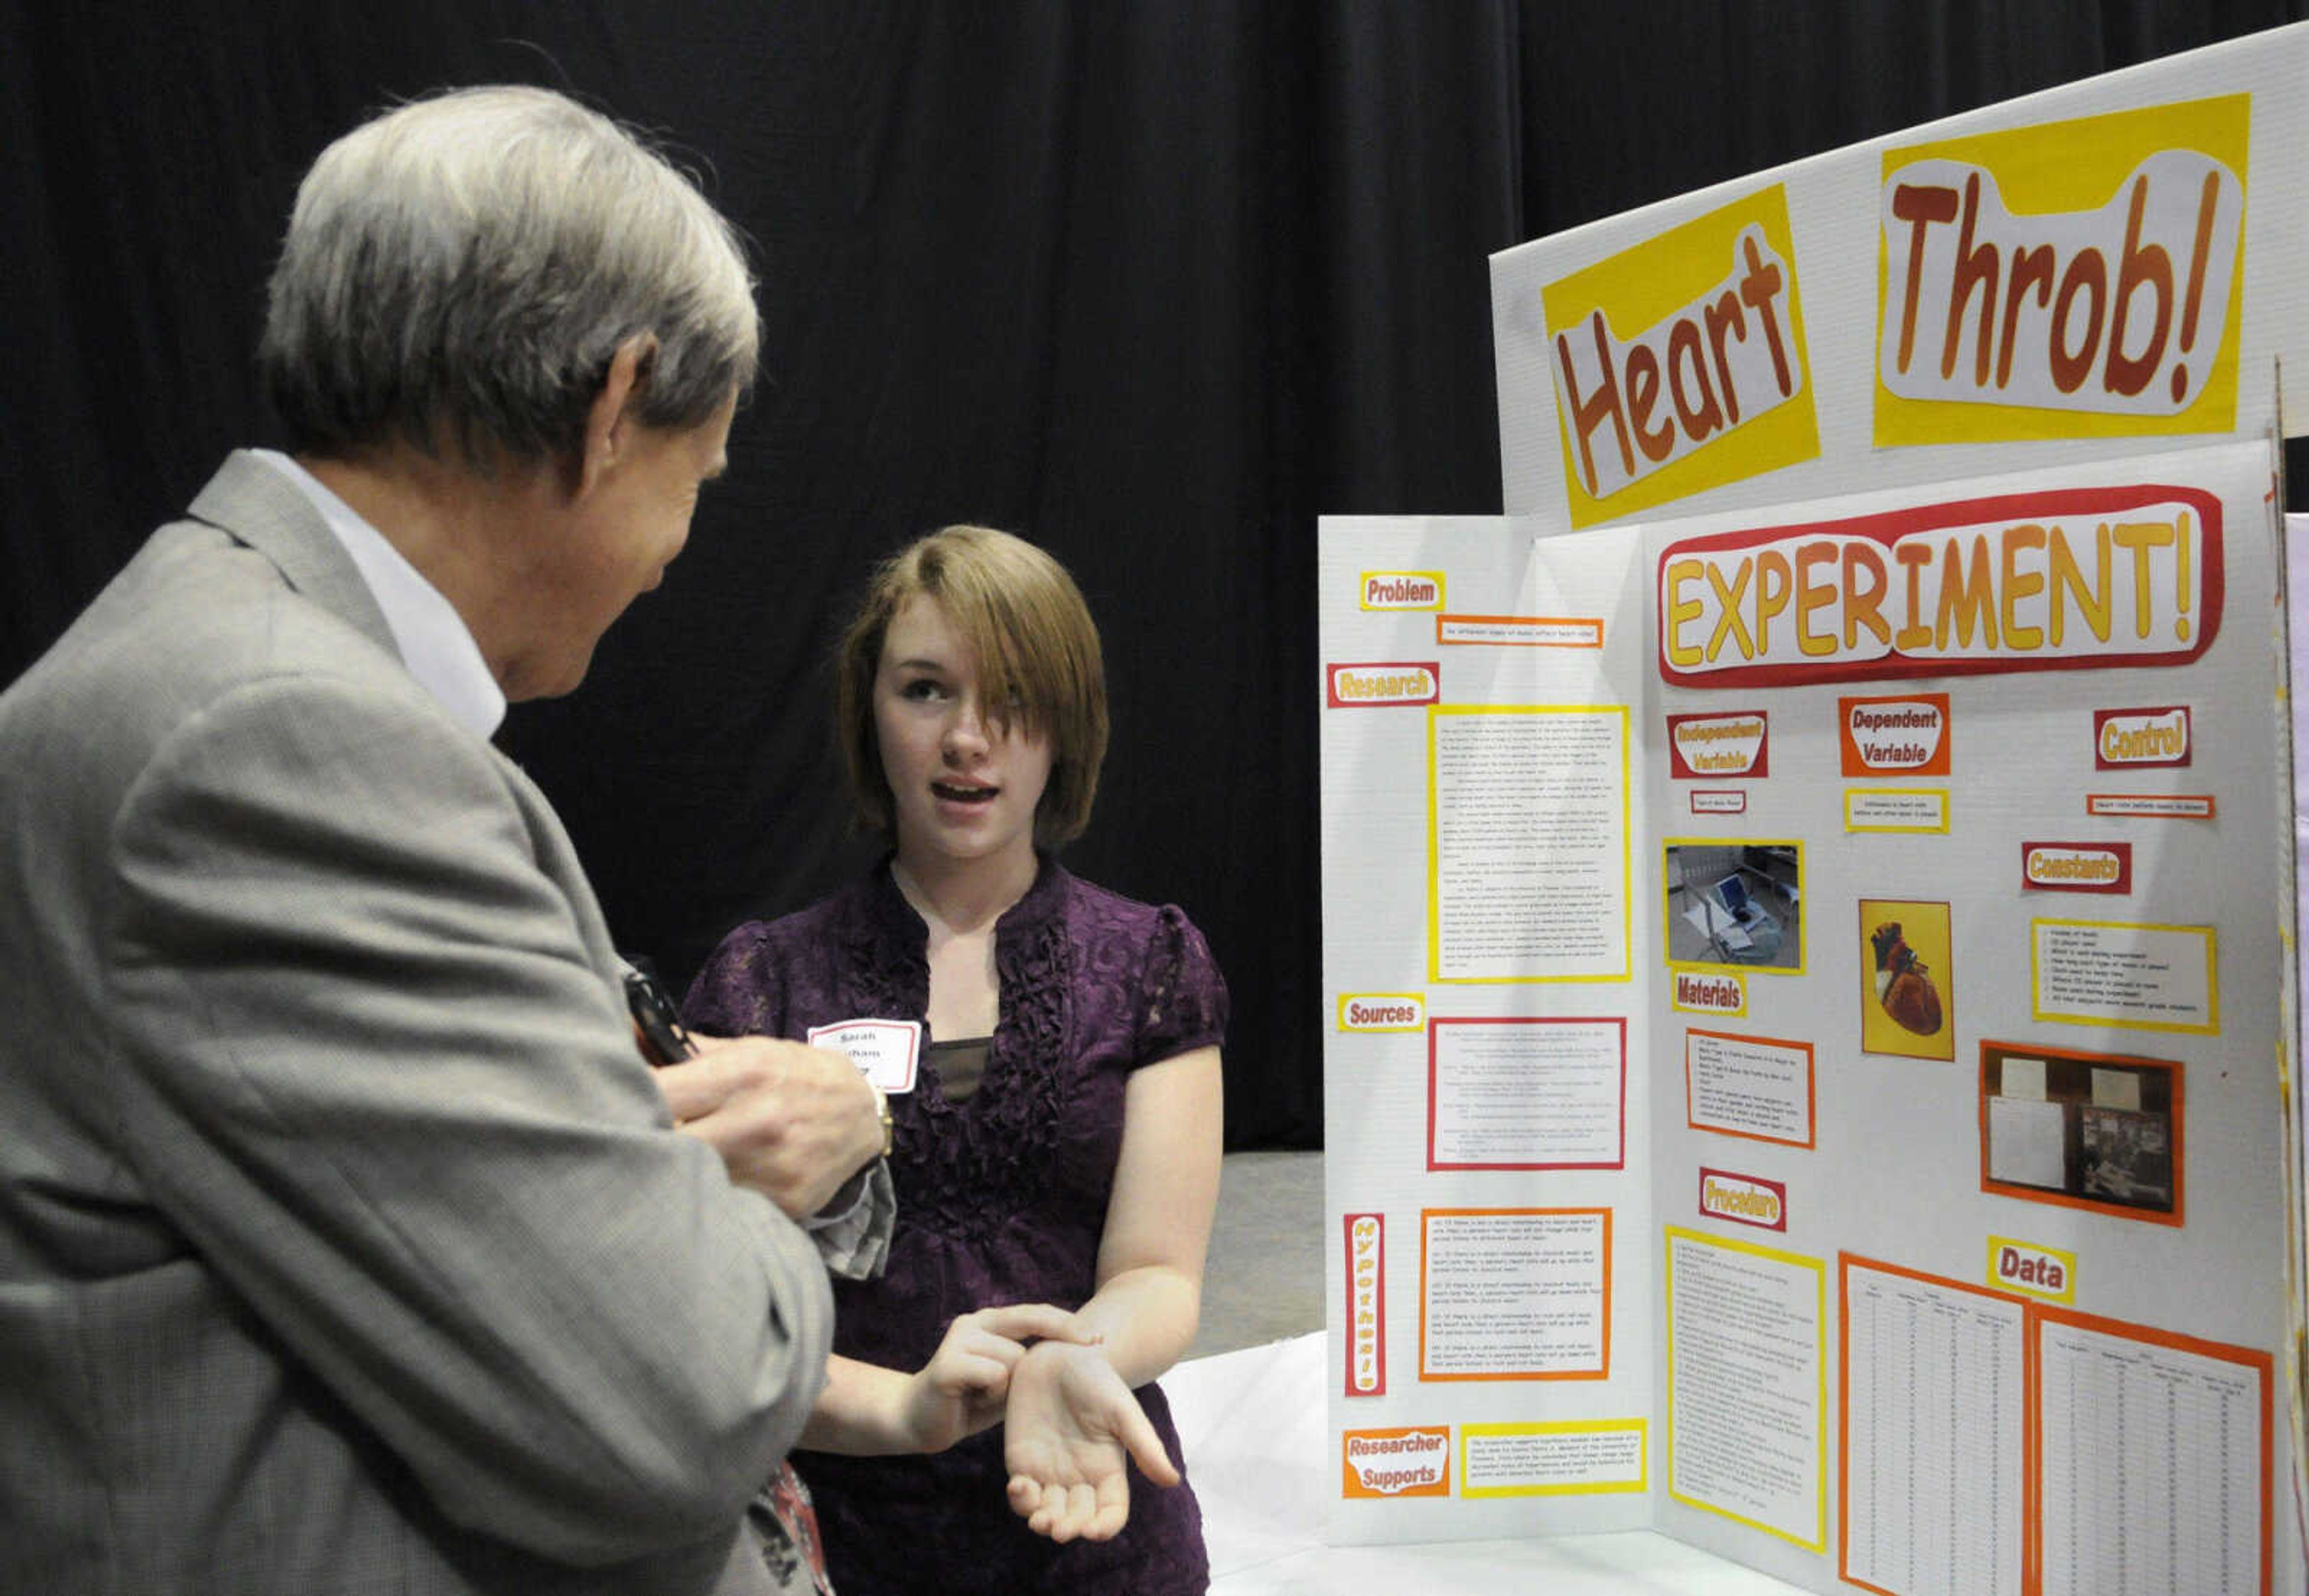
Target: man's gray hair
{"points": [[462, 270]]}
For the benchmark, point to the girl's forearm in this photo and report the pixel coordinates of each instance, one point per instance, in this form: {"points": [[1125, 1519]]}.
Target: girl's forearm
{"points": [[862, 1412], [1146, 1319]]}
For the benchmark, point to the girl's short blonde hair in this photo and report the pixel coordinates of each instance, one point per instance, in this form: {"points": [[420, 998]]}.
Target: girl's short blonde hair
{"points": [[1038, 661]]}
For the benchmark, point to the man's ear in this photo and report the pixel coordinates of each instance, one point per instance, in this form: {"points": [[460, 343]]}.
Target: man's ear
{"points": [[615, 410]]}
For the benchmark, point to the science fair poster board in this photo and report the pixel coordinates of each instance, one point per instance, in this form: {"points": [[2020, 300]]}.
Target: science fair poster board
{"points": [[1802, 1075], [2103, 271]]}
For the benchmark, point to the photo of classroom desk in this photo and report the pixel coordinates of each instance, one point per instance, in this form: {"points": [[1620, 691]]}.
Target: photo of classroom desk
{"points": [[1735, 904]]}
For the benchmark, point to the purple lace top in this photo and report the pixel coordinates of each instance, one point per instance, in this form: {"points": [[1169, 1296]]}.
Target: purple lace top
{"points": [[1001, 1197]]}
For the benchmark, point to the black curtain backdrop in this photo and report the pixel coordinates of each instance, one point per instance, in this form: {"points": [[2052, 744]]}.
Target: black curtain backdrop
{"points": [[1154, 283]]}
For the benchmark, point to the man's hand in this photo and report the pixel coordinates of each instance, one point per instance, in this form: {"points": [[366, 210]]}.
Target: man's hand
{"points": [[1069, 1435], [791, 1122]]}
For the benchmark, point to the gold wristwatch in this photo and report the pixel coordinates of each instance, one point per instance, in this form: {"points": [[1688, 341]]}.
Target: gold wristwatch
{"points": [[889, 1125]]}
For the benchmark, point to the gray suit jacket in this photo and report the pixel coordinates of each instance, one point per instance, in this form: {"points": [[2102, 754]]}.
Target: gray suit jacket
{"points": [[344, 1243]]}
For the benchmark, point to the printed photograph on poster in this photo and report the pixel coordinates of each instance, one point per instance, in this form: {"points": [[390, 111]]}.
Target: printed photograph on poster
{"points": [[1908, 999], [1734, 903], [2082, 1129]]}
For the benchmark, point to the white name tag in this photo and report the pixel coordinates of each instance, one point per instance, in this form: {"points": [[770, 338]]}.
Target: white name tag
{"points": [[887, 1051]]}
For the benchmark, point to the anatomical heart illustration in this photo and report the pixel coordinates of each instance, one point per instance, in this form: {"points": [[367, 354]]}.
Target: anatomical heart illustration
{"points": [[1907, 1006], [1904, 983]]}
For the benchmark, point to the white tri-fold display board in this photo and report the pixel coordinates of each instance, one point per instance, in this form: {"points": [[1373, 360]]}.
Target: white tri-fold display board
{"points": [[1808, 895]]}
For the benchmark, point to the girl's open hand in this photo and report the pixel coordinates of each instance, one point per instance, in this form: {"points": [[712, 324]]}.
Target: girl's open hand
{"points": [[1071, 1432]]}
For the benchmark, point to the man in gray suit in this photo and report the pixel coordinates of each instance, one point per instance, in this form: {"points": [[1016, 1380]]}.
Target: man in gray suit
{"points": [[346, 1244]]}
